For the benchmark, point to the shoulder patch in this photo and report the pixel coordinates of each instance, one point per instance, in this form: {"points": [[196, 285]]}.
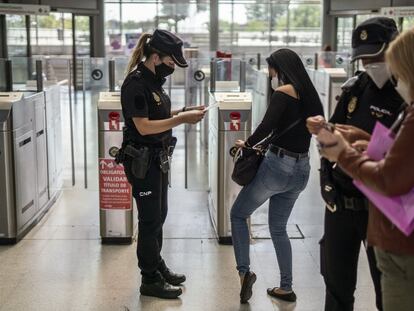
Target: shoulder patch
{"points": [[137, 74], [348, 84]]}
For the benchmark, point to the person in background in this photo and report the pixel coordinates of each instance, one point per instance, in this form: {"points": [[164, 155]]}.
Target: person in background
{"points": [[392, 176], [147, 148], [326, 57], [366, 98], [284, 172]]}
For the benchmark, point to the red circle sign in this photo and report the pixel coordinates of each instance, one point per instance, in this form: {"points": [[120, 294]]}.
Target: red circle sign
{"points": [[114, 116], [235, 115]]}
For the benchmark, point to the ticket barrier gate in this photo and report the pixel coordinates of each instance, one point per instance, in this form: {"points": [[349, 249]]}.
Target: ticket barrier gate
{"points": [[23, 163], [229, 121], [117, 212]]}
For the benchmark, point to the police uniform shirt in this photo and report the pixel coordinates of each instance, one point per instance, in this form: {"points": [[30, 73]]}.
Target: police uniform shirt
{"points": [[366, 104], [362, 106], [142, 96]]}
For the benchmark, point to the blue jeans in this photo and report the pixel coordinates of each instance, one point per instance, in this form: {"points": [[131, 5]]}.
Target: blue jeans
{"points": [[281, 180]]}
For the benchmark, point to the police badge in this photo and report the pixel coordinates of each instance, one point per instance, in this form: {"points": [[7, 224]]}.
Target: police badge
{"points": [[156, 98], [352, 104]]}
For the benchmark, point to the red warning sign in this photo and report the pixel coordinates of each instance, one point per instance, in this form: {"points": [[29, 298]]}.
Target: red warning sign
{"points": [[114, 118], [235, 121], [114, 188]]}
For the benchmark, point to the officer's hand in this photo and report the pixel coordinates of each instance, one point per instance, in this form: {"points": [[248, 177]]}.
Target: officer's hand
{"points": [[240, 143], [334, 144], [192, 117], [361, 145], [195, 108], [314, 124], [352, 133]]}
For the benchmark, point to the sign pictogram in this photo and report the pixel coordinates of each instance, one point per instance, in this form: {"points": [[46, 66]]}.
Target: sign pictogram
{"points": [[235, 121], [114, 118]]}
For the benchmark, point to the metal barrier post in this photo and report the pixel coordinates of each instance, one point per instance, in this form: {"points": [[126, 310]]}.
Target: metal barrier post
{"points": [[85, 155], [213, 75], [111, 75], [9, 75], [39, 75], [242, 76], [258, 61]]}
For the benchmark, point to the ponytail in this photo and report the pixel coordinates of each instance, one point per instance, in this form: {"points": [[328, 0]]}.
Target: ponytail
{"points": [[139, 52]]}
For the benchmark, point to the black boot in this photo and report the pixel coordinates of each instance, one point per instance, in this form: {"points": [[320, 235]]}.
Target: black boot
{"points": [[160, 289], [172, 278]]}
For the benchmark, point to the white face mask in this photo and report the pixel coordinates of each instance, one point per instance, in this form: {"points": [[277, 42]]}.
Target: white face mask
{"points": [[379, 73], [275, 83], [404, 91]]}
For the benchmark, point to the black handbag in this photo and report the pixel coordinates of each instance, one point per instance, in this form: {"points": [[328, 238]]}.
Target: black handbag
{"points": [[247, 159]]}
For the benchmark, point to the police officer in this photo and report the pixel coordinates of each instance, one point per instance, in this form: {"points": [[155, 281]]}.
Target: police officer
{"points": [[147, 148], [366, 98]]}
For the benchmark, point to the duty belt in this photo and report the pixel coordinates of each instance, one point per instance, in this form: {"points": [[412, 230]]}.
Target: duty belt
{"points": [[349, 203]]}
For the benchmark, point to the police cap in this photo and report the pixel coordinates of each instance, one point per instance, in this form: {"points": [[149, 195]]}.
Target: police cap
{"points": [[371, 37], [168, 43]]}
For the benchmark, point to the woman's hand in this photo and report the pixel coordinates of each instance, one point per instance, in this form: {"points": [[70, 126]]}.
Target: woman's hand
{"points": [[352, 133], [240, 143], [314, 124], [191, 108], [191, 117], [334, 144], [361, 145]]}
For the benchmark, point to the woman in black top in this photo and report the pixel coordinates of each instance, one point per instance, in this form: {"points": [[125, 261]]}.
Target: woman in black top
{"points": [[147, 146], [284, 172]]}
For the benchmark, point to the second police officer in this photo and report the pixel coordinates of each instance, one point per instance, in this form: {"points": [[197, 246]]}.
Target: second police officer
{"points": [[366, 98], [147, 148]]}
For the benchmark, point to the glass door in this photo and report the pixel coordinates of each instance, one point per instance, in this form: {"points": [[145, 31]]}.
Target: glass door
{"points": [[16, 35], [344, 33]]}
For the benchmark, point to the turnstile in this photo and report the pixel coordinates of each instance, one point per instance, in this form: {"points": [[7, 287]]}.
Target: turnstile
{"points": [[229, 121], [54, 139], [328, 82], [117, 215], [23, 163]]}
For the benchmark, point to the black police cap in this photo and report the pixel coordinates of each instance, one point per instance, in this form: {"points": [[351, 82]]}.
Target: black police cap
{"points": [[169, 44], [371, 37]]}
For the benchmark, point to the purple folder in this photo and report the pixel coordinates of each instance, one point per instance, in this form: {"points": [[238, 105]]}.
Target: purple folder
{"points": [[399, 209]]}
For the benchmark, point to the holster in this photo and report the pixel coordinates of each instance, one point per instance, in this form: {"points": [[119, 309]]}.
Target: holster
{"points": [[141, 159], [328, 191]]}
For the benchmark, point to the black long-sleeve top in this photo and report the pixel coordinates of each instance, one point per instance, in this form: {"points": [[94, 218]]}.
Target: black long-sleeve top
{"points": [[283, 111]]}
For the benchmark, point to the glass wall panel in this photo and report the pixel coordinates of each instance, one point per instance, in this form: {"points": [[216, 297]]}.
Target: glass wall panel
{"points": [[408, 22], [16, 35], [344, 34], [246, 27], [51, 34]]}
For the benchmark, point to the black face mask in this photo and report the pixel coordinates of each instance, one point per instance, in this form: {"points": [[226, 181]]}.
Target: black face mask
{"points": [[162, 70]]}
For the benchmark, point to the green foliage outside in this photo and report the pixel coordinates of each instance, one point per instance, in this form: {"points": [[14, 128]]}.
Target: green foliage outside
{"points": [[301, 16]]}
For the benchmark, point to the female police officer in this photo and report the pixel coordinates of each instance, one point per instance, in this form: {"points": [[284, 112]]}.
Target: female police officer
{"points": [[147, 148]]}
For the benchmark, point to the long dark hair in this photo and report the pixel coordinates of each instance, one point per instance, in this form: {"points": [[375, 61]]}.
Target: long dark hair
{"points": [[290, 70]]}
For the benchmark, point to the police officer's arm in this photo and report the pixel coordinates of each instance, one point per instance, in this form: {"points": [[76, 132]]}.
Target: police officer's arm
{"points": [[135, 106], [151, 127], [177, 111]]}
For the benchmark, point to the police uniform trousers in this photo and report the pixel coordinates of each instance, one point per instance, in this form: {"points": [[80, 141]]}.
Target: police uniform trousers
{"points": [[151, 195], [340, 246]]}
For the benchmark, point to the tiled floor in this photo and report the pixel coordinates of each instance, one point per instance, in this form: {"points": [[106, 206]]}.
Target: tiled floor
{"points": [[61, 264]]}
